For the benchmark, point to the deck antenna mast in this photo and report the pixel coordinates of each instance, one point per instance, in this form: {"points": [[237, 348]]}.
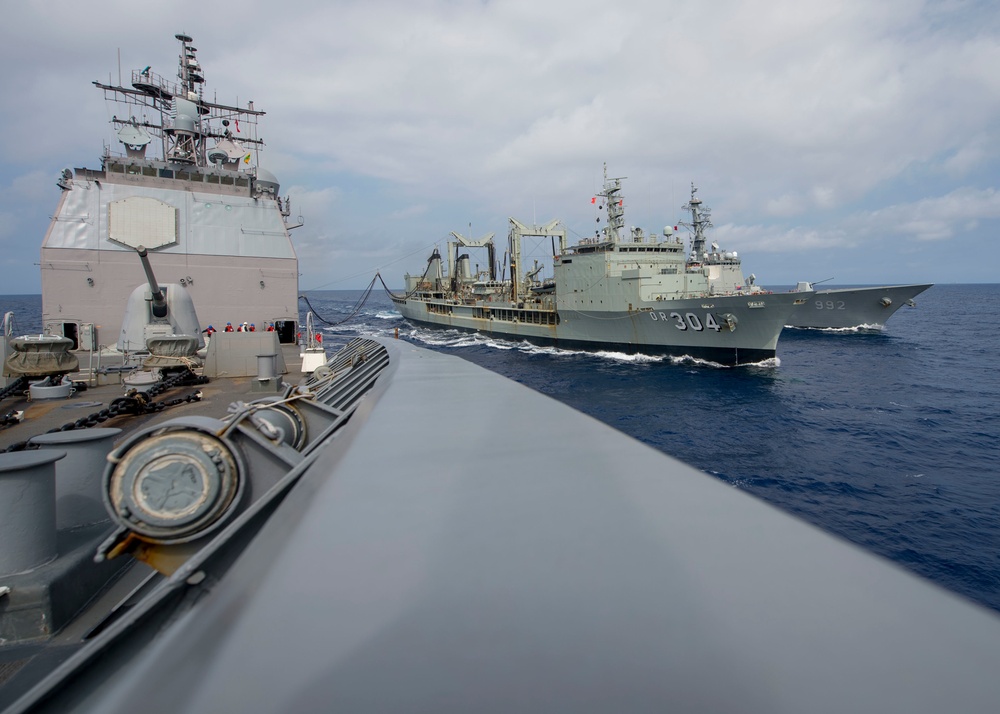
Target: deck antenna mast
{"points": [[701, 218], [193, 131], [615, 205]]}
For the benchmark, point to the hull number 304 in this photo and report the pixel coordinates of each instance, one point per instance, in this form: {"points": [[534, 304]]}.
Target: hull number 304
{"points": [[688, 321]]}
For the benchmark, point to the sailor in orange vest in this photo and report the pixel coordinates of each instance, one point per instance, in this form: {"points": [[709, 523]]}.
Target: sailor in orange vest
{"points": [[229, 327]]}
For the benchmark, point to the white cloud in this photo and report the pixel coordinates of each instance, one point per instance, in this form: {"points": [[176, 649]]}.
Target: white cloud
{"points": [[757, 239], [934, 218], [813, 126]]}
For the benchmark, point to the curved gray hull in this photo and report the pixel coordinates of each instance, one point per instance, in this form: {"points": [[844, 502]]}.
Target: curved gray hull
{"points": [[853, 307], [693, 327]]}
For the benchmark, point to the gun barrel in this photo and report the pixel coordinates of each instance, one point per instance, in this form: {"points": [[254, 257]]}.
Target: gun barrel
{"points": [[159, 299]]}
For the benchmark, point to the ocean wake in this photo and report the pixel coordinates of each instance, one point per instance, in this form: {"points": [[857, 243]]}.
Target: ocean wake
{"points": [[857, 329]]}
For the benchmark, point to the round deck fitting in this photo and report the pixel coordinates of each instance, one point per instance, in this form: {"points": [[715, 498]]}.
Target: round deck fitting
{"points": [[174, 486]]}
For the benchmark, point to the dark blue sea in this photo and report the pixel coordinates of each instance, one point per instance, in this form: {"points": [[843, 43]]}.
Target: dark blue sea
{"points": [[890, 439]]}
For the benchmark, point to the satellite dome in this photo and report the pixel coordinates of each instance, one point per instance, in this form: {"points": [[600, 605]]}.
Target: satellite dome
{"points": [[217, 156], [267, 181]]}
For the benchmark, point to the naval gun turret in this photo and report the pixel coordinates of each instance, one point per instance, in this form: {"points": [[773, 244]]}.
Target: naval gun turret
{"points": [[162, 313], [158, 306]]}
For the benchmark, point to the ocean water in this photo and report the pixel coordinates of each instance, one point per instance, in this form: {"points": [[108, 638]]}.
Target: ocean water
{"points": [[890, 438]]}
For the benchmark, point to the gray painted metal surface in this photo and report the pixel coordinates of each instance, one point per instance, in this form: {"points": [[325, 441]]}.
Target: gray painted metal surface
{"points": [[634, 293], [854, 307], [78, 476], [27, 510], [195, 196], [466, 544], [235, 354]]}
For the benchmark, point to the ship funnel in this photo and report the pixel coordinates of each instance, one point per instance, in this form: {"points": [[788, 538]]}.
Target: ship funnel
{"points": [[464, 270], [435, 273]]}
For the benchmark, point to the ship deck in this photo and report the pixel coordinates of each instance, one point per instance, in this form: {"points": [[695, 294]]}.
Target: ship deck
{"points": [[460, 579], [43, 416], [33, 660]]}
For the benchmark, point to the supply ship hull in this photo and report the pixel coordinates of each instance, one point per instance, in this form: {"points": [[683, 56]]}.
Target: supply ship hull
{"points": [[680, 327]]}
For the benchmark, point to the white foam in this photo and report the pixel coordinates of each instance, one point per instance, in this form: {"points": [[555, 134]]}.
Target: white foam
{"points": [[634, 357], [839, 330], [459, 339], [769, 363]]}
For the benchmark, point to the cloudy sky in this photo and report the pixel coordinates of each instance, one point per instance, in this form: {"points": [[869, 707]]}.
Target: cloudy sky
{"points": [[851, 139]]}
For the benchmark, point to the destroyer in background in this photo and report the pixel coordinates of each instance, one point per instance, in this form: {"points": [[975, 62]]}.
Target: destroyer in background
{"points": [[188, 188], [839, 308], [632, 293], [852, 307]]}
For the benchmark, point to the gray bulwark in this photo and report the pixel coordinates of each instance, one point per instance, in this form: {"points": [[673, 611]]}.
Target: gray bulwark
{"points": [[235, 354], [467, 544]]}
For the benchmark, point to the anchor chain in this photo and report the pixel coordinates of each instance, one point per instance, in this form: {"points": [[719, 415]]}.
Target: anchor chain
{"points": [[133, 403], [18, 385]]}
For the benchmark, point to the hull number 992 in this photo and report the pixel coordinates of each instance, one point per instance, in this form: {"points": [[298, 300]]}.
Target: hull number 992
{"points": [[830, 305], [688, 321]]}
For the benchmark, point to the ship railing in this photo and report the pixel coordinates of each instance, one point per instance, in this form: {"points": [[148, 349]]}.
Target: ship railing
{"points": [[157, 168], [148, 78]]}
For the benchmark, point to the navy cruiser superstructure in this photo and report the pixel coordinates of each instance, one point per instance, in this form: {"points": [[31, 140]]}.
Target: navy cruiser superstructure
{"points": [[620, 290], [188, 188]]}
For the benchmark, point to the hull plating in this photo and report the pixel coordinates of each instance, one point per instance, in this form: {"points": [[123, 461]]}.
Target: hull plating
{"points": [[693, 327], [853, 307]]}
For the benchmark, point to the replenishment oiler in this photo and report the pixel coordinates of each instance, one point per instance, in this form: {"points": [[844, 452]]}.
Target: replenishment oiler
{"points": [[618, 290], [185, 184]]}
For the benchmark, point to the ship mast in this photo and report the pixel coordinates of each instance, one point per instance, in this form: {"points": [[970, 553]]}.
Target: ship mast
{"points": [[188, 144], [700, 220], [615, 203], [187, 121]]}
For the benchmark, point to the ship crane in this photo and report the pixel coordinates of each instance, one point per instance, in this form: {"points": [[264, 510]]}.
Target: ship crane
{"points": [[518, 231]]}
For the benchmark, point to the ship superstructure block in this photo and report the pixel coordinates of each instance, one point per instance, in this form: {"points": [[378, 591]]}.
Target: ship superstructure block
{"points": [[187, 187]]}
